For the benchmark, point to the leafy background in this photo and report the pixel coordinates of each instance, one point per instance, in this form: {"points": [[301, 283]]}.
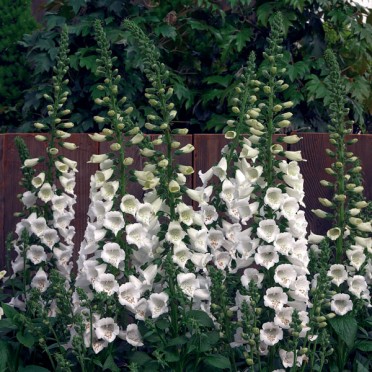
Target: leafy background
{"points": [[204, 43]]}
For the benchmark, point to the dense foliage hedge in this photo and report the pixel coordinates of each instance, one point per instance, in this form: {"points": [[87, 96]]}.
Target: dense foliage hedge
{"points": [[204, 43], [15, 21]]}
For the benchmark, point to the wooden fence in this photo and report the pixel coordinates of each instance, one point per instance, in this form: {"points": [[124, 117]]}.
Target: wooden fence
{"points": [[206, 154]]}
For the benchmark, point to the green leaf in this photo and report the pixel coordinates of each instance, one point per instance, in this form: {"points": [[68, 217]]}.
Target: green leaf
{"points": [[26, 339], [77, 4], [171, 357], [346, 328], [166, 30], [9, 311], [201, 317], [298, 70], [217, 361], [140, 358], [363, 345], [33, 368], [316, 88], [225, 81], [242, 37], [110, 364], [4, 352], [7, 324], [180, 340], [264, 11], [162, 324]]}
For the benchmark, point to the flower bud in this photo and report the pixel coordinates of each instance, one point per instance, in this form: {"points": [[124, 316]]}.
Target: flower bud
{"points": [[325, 202], [53, 151], [40, 138], [175, 144], [361, 204], [115, 146], [29, 163], [283, 123], [235, 110], [39, 125], [99, 119], [326, 183], [137, 139], [172, 114], [173, 186], [186, 149], [277, 108], [68, 125], [129, 110], [69, 145], [319, 213], [128, 161], [291, 139], [230, 134], [163, 163]]}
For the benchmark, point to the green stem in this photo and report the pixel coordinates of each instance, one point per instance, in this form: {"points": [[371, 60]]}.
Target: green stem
{"points": [[341, 204]]}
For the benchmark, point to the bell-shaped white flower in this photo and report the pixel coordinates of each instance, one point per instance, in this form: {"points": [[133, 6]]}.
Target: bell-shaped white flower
{"points": [[175, 233], [300, 289], [357, 284], [248, 152], [215, 239], [283, 317], [40, 281], [50, 238], [275, 298], [271, 334], [188, 283], [106, 329], [106, 283], [284, 243], [209, 214], [220, 169], [356, 256], [181, 254], [338, 274], [38, 180], [267, 230], [341, 304], [128, 295], [205, 177], [102, 176], [287, 358], [109, 189], [145, 213], [334, 233], [186, 214], [222, 259], [228, 191], [137, 235], [113, 254], [289, 208], [141, 309], [38, 225], [129, 204], [285, 275], [46, 192], [114, 221], [133, 335], [273, 197], [28, 199], [266, 256], [158, 304], [198, 239], [36, 254], [251, 274]]}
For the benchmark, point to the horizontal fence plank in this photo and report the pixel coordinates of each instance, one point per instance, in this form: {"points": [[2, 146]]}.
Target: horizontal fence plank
{"points": [[206, 154]]}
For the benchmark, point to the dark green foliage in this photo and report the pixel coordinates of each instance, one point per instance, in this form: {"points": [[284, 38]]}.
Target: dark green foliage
{"points": [[15, 21], [204, 42]]}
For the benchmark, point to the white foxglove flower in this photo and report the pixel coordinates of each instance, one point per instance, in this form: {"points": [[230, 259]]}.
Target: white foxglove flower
{"points": [[300, 289], [188, 283], [273, 197], [149, 275], [222, 259], [287, 358], [98, 158], [284, 243], [36, 254], [113, 254], [175, 233], [228, 191], [29, 163], [357, 284], [40, 281], [158, 304], [315, 239], [106, 283], [341, 304], [299, 255], [215, 239], [220, 169], [252, 275], [285, 275], [283, 317], [62, 221], [109, 189], [133, 335], [364, 242], [200, 260], [248, 152], [72, 164], [62, 167], [297, 226], [334, 233], [114, 221], [45, 193], [128, 295], [101, 177], [289, 208], [137, 235], [92, 269], [60, 202], [129, 204], [186, 214], [338, 274], [271, 334], [145, 213], [209, 214], [38, 225], [198, 239], [293, 155], [356, 256], [141, 309], [38, 180], [106, 329], [28, 199], [267, 230], [231, 231], [252, 174], [266, 256], [181, 254], [205, 177], [50, 238], [200, 194], [275, 298]]}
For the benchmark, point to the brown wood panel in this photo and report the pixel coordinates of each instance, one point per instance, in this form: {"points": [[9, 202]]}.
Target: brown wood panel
{"points": [[313, 146]]}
